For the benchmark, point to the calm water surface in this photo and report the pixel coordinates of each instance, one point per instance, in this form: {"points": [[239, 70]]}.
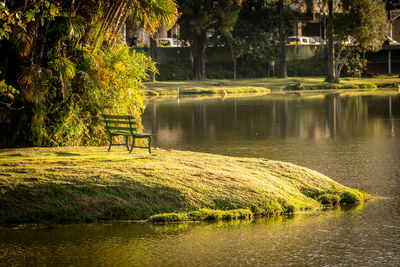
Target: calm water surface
{"points": [[355, 140]]}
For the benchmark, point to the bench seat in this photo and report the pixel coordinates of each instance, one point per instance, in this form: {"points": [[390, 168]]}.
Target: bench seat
{"points": [[125, 125]]}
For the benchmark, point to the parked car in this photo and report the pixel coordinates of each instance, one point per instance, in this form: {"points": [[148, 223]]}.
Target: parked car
{"points": [[301, 40], [168, 42]]}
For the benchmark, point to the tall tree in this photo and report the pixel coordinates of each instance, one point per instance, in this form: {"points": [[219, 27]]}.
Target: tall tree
{"points": [[202, 22], [330, 43], [282, 40], [153, 53], [287, 17], [361, 26], [254, 34]]}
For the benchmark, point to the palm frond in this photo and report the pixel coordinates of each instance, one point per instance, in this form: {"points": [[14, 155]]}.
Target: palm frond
{"points": [[152, 14], [31, 82], [23, 39]]}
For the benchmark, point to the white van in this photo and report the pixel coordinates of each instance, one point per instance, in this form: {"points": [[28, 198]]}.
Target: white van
{"points": [[301, 40]]}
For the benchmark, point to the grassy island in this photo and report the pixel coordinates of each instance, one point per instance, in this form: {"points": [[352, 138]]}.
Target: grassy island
{"points": [[266, 85], [80, 184]]}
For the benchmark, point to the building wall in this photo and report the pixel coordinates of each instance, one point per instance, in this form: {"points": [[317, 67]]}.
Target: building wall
{"points": [[396, 30]]}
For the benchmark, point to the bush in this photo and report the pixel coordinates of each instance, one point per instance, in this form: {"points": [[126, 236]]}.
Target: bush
{"points": [[385, 85], [212, 215], [329, 199], [309, 67], [297, 85], [352, 196], [368, 86], [220, 71], [203, 215], [174, 72], [168, 217], [275, 206], [354, 66], [107, 82]]}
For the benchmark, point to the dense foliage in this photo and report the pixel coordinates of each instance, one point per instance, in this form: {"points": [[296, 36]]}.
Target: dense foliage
{"points": [[202, 23], [68, 64], [360, 27], [253, 36]]}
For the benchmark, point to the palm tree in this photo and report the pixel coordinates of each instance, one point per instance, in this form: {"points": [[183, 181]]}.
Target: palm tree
{"points": [[148, 14]]}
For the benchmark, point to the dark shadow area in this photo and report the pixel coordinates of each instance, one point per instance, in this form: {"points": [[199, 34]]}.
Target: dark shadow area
{"points": [[86, 202], [66, 154], [13, 155]]}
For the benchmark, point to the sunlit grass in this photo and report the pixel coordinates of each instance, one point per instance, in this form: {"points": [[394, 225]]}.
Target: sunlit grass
{"points": [[90, 184]]}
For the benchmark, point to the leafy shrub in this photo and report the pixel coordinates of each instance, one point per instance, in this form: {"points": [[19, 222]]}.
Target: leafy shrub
{"points": [[174, 72], [7, 91], [212, 215], [289, 208], [329, 199], [368, 85], [351, 196], [297, 85], [220, 71], [168, 217], [354, 66], [308, 67], [203, 215], [275, 206], [385, 85], [106, 81], [253, 69]]}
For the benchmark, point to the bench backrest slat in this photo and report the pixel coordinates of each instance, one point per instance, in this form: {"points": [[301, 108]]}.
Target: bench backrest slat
{"points": [[120, 128], [119, 122], [105, 116], [113, 122]]}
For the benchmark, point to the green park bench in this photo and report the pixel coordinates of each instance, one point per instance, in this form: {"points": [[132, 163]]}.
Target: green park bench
{"points": [[124, 125]]}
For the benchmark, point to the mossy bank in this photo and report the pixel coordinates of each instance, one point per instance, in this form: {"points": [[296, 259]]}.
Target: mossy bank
{"points": [[80, 184]]}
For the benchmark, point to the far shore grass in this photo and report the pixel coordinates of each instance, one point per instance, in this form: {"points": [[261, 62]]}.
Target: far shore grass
{"points": [[87, 184], [265, 85]]}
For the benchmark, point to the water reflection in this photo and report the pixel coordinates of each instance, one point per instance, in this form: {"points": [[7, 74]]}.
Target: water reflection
{"points": [[352, 139], [335, 237], [317, 117]]}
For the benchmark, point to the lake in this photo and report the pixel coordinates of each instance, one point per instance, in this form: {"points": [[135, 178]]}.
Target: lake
{"points": [[353, 138]]}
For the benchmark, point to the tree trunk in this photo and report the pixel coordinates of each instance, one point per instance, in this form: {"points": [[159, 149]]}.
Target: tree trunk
{"points": [[43, 43], [199, 56], [331, 46], [282, 41], [338, 70], [339, 61], [153, 54], [121, 21], [234, 62], [107, 21]]}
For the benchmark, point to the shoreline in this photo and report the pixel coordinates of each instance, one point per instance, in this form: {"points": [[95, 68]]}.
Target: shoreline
{"points": [[265, 85]]}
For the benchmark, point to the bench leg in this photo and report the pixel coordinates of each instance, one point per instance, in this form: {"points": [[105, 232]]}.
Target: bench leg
{"points": [[126, 142], [149, 142], [133, 144], [110, 139]]}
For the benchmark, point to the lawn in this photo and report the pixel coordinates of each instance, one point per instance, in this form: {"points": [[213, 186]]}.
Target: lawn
{"points": [[84, 184]]}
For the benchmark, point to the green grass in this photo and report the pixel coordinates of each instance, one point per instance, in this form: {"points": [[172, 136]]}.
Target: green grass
{"points": [[203, 215], [265, 85], [81, 184]]}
